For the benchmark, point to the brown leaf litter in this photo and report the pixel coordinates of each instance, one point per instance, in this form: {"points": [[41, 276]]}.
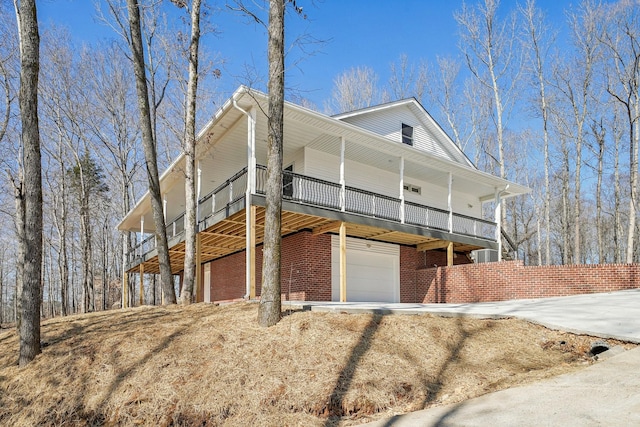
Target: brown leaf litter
{"points": [[209, 365]]}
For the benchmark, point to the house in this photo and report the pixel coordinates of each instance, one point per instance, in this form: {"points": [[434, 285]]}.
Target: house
{"points": [[370, 197]]}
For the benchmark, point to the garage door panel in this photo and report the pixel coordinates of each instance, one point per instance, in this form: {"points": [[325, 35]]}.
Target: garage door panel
{"points": [[372, 271]]}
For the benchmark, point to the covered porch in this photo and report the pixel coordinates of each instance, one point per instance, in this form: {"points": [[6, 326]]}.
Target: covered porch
{"points": [[228, 224], [338, 178]]}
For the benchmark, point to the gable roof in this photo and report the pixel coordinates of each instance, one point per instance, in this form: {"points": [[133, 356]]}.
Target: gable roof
{"points": [[423, 116]]}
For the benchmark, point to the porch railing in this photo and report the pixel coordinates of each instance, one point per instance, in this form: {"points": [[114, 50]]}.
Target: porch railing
{"points": [[317, 192]]}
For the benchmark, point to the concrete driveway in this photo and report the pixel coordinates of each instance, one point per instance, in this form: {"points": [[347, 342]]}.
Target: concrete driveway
{"points": [[606, 393], [607, 315]]}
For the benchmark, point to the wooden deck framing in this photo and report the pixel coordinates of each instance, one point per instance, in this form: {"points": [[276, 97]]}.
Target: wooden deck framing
{"points": [[229, 236]]}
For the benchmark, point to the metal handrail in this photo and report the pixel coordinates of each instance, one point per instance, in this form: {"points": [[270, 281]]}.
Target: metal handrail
{"points": [[326, 194]]}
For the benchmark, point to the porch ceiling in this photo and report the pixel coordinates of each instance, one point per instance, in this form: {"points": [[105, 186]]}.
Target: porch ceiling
{"points": [[228, 236]]}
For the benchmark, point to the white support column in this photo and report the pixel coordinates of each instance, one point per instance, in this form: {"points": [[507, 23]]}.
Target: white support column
{"points": [[249, 210], [251, 128], [450, 203], [498, 220], [164, 207], [343, 262], [198, 188], [343, 188], [401, 190], [141, 235]]}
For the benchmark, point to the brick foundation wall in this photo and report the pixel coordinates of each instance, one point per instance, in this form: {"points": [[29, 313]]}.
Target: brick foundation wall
{"points": [[512, 280], [306, 270], [227, 277], [306, 275]]}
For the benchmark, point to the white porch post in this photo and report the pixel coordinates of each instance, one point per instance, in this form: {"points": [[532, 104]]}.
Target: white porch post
{"points": [[164, 207], [250, 212], [498, 219], [141, 235], [251, 127], [401, 190], [198, 189], [343, 188], [343, 262], [450, 203]]}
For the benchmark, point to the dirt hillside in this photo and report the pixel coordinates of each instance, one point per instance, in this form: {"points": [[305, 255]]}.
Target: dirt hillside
{"points": [[212, 365]]}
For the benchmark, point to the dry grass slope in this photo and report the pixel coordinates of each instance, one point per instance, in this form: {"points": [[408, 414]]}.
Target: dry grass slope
{"points": [[210, 365]]}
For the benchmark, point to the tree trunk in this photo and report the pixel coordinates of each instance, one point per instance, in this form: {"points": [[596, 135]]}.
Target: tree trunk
{"points": [[18, 191], [633, 184], [29, 70], [599, 133], [63, 261], [617, 192], [150, 153], [191, 195], [2, 286], [270, 302]]}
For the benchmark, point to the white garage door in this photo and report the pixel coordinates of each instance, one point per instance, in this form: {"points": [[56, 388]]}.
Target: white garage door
{"points": [[373, 271]]}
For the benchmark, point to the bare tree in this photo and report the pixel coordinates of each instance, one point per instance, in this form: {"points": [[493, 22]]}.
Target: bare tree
{"points": [[576, 84], [112, 126], [622, 42], [87, 179], [189, 149], [406, 79], [537, 42], [599, 132], [29, 70], [446, 91], [150, 152], [354, 89], [488, 46], [270, 301]]}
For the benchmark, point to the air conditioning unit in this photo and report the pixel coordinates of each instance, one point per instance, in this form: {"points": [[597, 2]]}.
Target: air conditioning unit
{"points": [[484, 255]]}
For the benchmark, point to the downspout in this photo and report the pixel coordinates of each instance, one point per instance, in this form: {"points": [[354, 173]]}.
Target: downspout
{"points": [[251, 187], [198, 188], [342, 180], [402, 190], [450, 203]]}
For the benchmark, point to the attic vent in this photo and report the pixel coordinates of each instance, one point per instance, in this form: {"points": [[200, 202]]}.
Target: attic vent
{"points": [[407, 134], [414, 189]]}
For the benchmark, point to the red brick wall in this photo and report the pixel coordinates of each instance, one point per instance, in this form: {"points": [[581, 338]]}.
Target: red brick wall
{"points": [[306, 275], [512, 280], [412, 262], [306, 270], [227, 277]]}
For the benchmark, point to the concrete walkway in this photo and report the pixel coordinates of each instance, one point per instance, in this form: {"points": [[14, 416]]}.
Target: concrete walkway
{"points": [[606, 393]]}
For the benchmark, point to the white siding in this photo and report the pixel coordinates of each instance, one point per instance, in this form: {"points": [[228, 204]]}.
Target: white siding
{"points": [[325, 166], [389, 123], [297, 160]]}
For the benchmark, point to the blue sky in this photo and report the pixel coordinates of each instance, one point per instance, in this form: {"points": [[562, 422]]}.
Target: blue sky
{"points": [[356, 33]]}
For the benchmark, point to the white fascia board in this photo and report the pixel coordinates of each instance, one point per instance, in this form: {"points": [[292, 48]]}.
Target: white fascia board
{"points": [[171, 169], [374, 108]]}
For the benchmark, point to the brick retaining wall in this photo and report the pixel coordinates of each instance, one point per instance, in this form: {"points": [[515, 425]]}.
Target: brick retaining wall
{"points": [[512, 280]]}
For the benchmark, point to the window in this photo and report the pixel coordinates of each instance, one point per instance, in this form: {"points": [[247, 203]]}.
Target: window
{"points": [[413, 189], [407, 134], [287, 182]]}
